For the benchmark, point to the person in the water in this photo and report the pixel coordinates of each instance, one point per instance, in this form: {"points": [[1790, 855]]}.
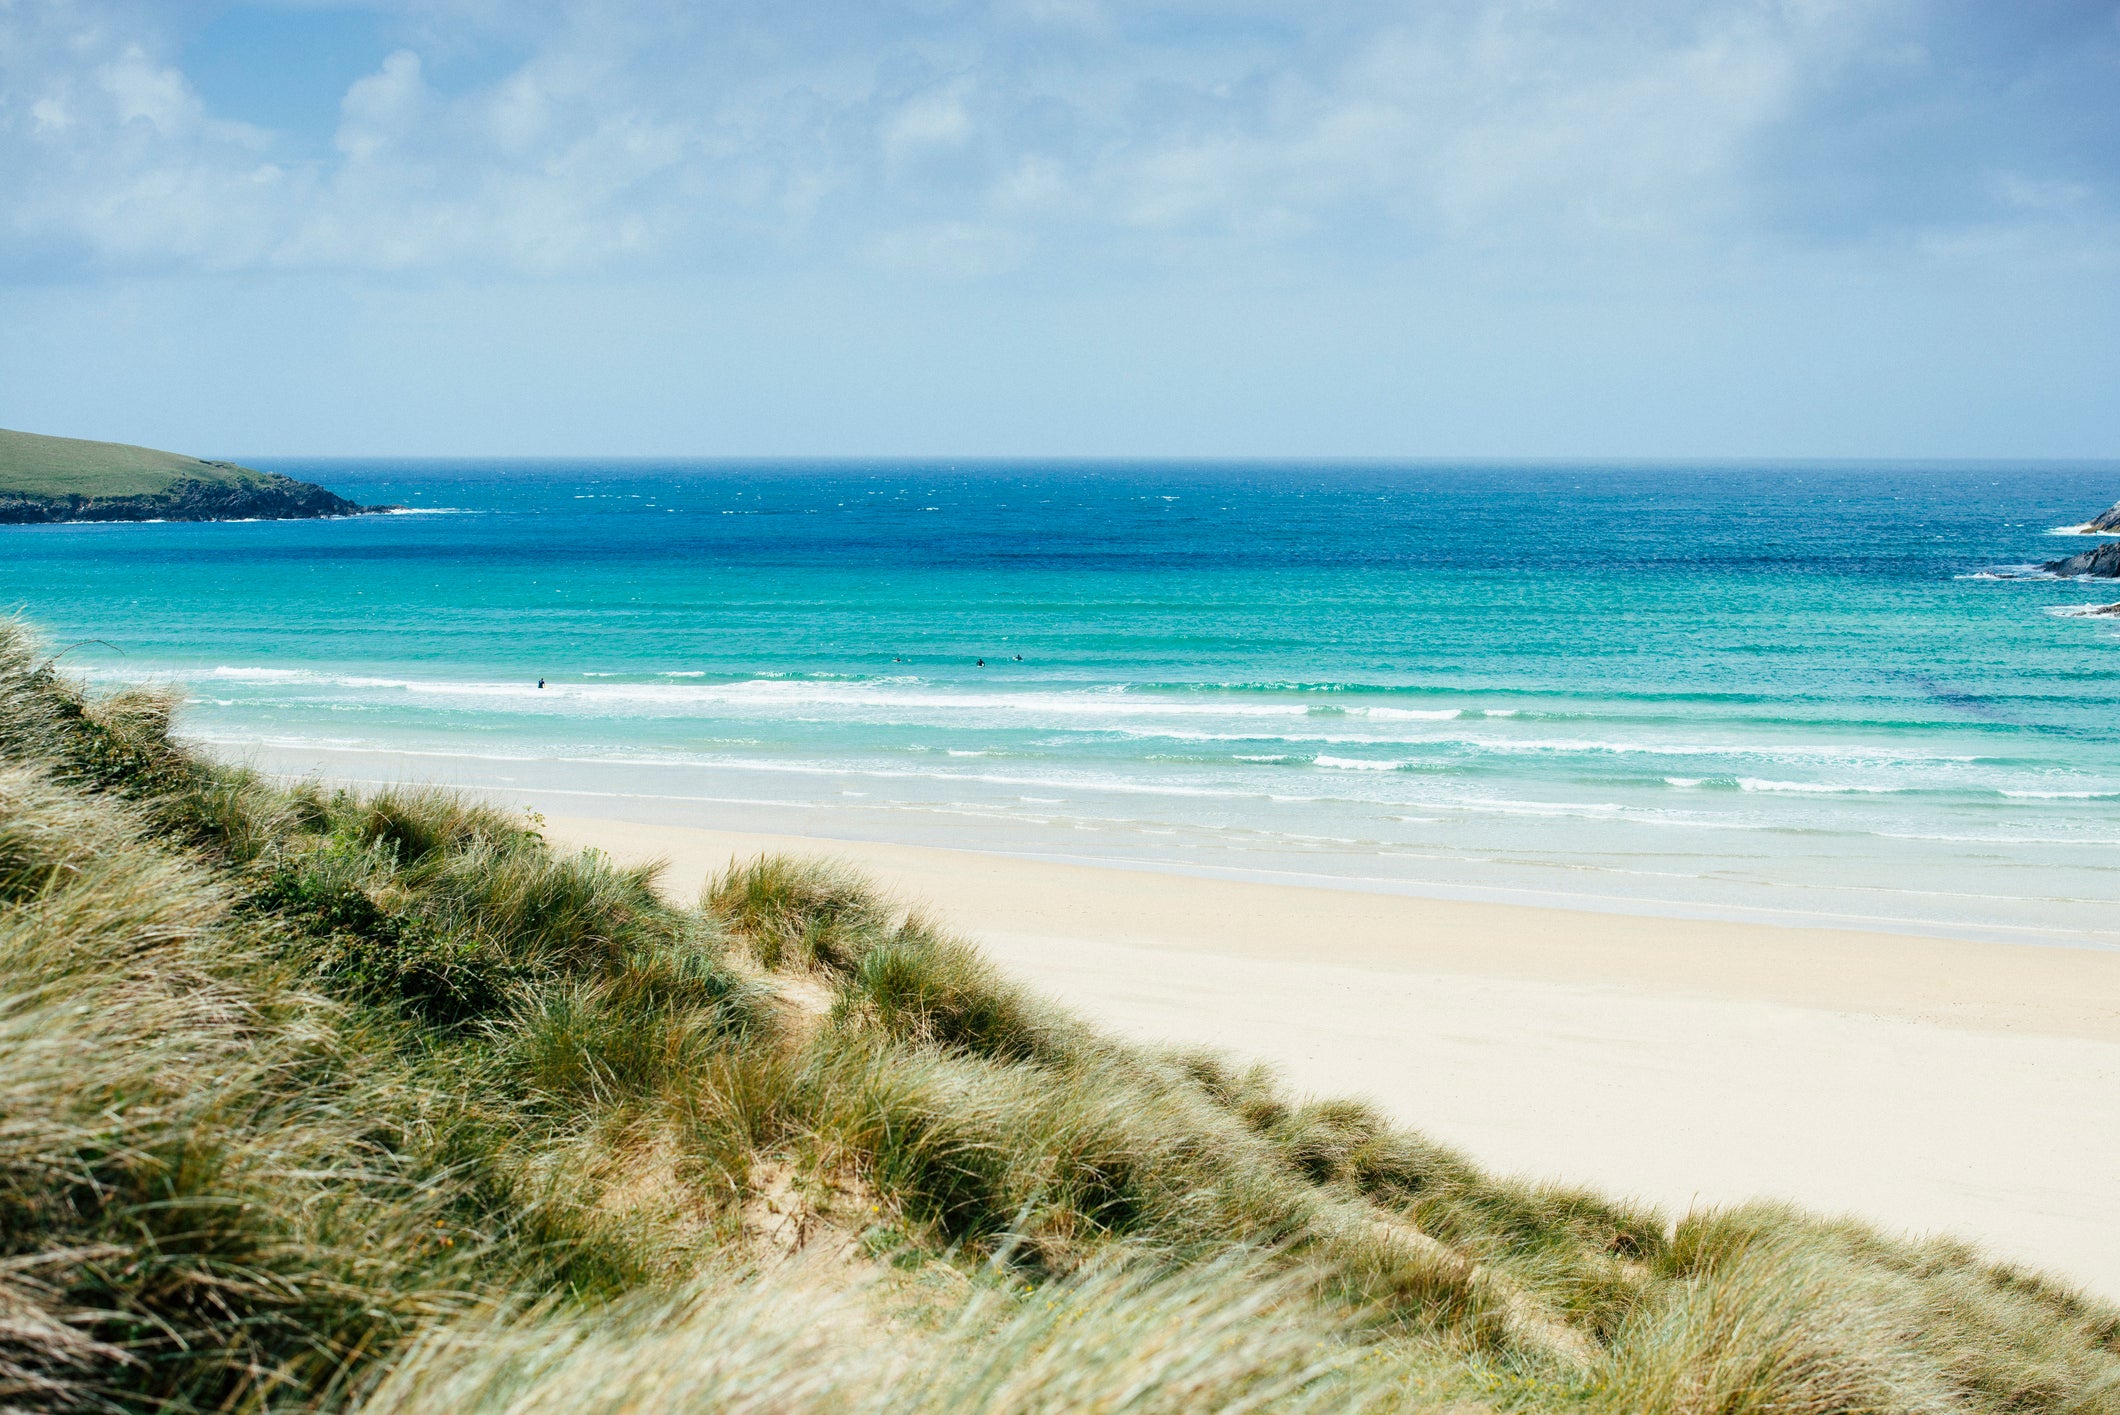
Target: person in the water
{"points": [[540, 682]]}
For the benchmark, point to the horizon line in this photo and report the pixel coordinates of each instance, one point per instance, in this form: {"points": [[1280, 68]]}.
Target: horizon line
{"points": [[1580, 461]]}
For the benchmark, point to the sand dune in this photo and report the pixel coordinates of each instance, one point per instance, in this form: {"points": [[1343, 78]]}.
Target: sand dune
{"points": [[1923, 1084]]}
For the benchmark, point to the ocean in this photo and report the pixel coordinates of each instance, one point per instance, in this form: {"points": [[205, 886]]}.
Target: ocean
{"points": [[1807, 693]]}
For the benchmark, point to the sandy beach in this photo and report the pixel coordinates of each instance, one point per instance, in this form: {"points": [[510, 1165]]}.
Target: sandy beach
{"points": [[1925, 1085]]}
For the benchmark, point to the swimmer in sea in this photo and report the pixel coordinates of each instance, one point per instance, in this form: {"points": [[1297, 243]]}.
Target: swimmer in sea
{"points": [[982, 663], [540, 682]]}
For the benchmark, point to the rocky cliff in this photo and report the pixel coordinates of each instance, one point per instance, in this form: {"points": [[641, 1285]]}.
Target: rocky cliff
{"points": [[2101, 562], [269, 497]]}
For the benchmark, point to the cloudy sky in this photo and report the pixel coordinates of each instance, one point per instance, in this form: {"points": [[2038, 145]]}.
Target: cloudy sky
{"points": [[1423, 228]]}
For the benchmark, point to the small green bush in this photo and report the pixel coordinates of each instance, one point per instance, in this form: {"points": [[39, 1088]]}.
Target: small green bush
{"points": [[444, 977], [806, 913]]}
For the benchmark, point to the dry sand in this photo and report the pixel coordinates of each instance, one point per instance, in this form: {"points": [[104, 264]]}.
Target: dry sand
{"points": [[1923, 1084]]}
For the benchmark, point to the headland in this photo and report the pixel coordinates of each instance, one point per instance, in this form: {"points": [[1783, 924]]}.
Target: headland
{"points": [[47, 479]]}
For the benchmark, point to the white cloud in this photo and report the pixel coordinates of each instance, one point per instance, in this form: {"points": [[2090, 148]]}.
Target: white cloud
{"points": [[936, 119], [959, 250], [382, 108], [144, 92], [964, 138], [2023, 192]]}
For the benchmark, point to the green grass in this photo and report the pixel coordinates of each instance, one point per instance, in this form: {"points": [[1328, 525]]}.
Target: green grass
{"points": [[318, 1100], [34, 465]]}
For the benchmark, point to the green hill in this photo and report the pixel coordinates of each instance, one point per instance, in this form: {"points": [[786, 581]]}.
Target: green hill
{"points": [[317, 1101], [48, 479], [34, 465]]}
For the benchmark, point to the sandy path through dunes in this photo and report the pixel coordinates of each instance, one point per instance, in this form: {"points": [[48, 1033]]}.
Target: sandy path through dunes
{"points": [[1924, 1084]]}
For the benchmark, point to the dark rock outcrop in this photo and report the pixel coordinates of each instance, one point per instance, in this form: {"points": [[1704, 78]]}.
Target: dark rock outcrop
{"points": [[270, 497], [2105, 521], [2101, 563]]}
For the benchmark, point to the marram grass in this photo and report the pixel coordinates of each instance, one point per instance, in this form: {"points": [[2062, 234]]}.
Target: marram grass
{"points": [[311, 1100]]}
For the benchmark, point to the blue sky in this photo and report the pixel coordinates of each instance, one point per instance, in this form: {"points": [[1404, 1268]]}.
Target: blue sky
{"points": [[1165, 227]]}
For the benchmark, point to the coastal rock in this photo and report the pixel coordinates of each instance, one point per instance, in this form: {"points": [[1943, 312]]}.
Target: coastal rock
{"points": [[2105, 521], [269, 497], [2102, 563]]}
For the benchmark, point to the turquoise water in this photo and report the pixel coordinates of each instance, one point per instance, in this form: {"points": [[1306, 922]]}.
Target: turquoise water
{"points": [[1815, 693]]}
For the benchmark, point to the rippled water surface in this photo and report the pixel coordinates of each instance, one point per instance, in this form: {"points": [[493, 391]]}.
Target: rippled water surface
{"points": [[1808, 692]]}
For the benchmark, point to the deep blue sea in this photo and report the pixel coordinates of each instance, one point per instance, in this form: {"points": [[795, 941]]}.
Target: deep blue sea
{"points": [[1817, 693]]}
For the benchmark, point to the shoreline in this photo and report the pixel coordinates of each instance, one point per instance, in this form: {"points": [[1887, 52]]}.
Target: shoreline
{"points": [[1924, 1084], [1505, 896], [737, 806], [2044, 989]]}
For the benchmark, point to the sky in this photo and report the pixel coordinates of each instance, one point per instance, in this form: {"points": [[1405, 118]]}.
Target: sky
{"points": [[1158, 228]]}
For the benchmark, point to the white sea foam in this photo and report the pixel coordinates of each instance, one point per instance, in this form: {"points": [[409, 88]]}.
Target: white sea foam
{"points": [[1854, 753], [782, 692], [1684, 780], [1060, 780], [368, 745], [898, 693], [1101, 710], [2070, 841], [1592, 810], [2084, 611], [1355, 764], [261, 675], [1814, 788]]}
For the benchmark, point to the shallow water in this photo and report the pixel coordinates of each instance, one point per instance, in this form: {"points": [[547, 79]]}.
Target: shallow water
{"points": [[1806, 692]]}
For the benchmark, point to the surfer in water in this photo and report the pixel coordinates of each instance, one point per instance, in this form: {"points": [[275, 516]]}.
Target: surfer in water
{"points": [[540, 682]]}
